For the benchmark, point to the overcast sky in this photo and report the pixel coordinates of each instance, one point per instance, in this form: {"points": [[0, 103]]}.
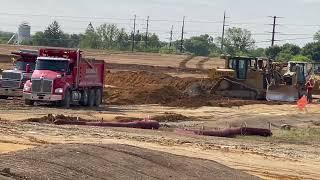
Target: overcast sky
{"points": [[300, 17]]}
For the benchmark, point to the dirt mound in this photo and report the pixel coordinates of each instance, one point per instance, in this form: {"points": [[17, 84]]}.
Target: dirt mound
{"points": [[145, 79], [171, 117], [51, 119], [127, 88], [97, 161]]}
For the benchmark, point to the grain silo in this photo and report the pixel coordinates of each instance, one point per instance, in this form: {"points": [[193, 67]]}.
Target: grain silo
{"points": [[24, 32]]}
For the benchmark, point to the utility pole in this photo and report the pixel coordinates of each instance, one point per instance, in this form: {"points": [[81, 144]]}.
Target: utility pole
{"points": [[273, 30], [182, 35], [147, 31], [274, 24], [134, 32], [171, 35], [223, 29]]}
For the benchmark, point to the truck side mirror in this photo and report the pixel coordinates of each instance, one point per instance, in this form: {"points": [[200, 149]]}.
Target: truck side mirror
{"points": [[28, 69]]}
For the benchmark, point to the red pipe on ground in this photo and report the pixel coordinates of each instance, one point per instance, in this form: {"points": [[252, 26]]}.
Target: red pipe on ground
{"points": [[232, 132], [150, 124]]}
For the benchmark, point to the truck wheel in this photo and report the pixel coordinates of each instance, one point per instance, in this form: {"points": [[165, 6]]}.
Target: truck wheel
{"points": [[91, 98], [84, 98], [3, 97], [98, 98], [28, 102], [66, 100]]}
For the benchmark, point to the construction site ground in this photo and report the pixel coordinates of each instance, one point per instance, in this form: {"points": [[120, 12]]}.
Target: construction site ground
{"points": [[164, 87]]}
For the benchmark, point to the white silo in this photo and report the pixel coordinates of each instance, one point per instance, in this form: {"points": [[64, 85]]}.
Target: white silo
{"points": [[24, 32]]}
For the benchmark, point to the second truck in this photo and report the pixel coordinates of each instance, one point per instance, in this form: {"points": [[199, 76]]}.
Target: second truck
{"points": [[65, 77], [13, 80]]}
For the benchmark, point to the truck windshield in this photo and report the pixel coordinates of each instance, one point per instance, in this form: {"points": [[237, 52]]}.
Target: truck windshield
{"points": [[21, 65], [53, 65]]}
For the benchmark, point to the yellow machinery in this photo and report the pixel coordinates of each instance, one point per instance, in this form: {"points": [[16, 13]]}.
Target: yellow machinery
{"points": [[242, 77], [291, 86]]}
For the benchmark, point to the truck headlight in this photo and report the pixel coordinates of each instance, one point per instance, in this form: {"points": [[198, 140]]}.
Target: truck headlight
{"points": [[26, 88], [58, 91]]}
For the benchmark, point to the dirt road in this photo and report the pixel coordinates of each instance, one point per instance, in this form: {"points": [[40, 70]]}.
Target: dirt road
{"points": [[271, 158], [98, 161]]}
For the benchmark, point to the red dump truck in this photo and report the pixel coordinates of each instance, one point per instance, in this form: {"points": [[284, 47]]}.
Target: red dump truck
{"points": [[65, 77], [13, 80]]}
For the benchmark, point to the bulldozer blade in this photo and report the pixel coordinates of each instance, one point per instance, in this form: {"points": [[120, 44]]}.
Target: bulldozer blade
{"points": [[282, 93]]}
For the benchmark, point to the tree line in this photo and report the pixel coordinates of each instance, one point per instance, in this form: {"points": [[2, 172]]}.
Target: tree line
{"points": [[237, 41]]}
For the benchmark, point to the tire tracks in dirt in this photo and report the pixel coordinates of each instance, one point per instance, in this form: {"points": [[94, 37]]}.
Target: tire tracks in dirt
{"points": [[200, 64], [183, 63]]}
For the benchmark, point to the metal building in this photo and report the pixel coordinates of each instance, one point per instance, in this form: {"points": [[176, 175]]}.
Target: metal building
{"points": [[24, 32]]}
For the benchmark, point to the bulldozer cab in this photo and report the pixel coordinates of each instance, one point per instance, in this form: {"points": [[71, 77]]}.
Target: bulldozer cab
{"points": [[244, 65], [298, 73], [316, 68]]}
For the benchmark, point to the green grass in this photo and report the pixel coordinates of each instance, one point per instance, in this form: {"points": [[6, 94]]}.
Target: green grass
{"points": [[294, 136]]}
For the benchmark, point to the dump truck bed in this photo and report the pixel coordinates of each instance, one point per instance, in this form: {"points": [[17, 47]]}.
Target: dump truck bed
{"points": [[91, 73]]}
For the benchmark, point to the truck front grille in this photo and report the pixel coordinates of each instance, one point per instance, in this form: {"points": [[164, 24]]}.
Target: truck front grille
{"points": [[11, 75], [41, 86], [10, 84]]}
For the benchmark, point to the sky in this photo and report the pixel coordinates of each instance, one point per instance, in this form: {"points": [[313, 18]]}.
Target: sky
{"points": [[298, 23]]}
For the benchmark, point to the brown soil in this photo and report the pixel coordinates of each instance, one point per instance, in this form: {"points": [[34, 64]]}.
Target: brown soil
{"points": [[96, 161], [143, 87], [52, 118]]}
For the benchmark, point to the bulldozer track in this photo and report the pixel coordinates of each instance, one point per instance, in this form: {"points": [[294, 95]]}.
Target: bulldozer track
{"points": [[233, 81], [200, 64], [183, 63]]}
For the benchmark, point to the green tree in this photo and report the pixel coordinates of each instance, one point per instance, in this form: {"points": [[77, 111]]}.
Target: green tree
{"points": [[122, 40], [108, 35], [5, 36], [301, 58], [312, 51], [273, 52], [39, 39], [54, 36], [199, 45], [74, 40], [316, 37], [291, 49], [90, 39], [238, 41], [259, 52]]}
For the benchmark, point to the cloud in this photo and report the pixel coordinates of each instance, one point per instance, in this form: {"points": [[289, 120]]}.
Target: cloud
{"points": [[311, 1]]}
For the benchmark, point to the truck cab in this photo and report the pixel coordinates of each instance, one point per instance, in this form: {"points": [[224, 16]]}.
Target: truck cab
{"points": [[65, 77], [13, 80]]}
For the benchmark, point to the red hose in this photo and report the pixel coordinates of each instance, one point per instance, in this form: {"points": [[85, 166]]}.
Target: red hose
{"points": [[150, 124], [232, 132]]}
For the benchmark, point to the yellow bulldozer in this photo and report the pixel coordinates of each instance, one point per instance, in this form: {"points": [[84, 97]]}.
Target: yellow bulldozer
{"points": [[259, 78], [291, 84], [242, 77]]}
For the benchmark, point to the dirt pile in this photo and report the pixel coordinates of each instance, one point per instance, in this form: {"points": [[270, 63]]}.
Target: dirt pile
{"points": [[128, 88], [50, 119], [98, 161], [170, 117], [143, 79], [151, 88]]}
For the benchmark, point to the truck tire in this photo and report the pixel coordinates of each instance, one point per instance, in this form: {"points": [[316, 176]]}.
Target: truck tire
{"points": [[98, 98], [92, 98], [28, 102], [3, 97], [66, 100], [84, 98]]}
